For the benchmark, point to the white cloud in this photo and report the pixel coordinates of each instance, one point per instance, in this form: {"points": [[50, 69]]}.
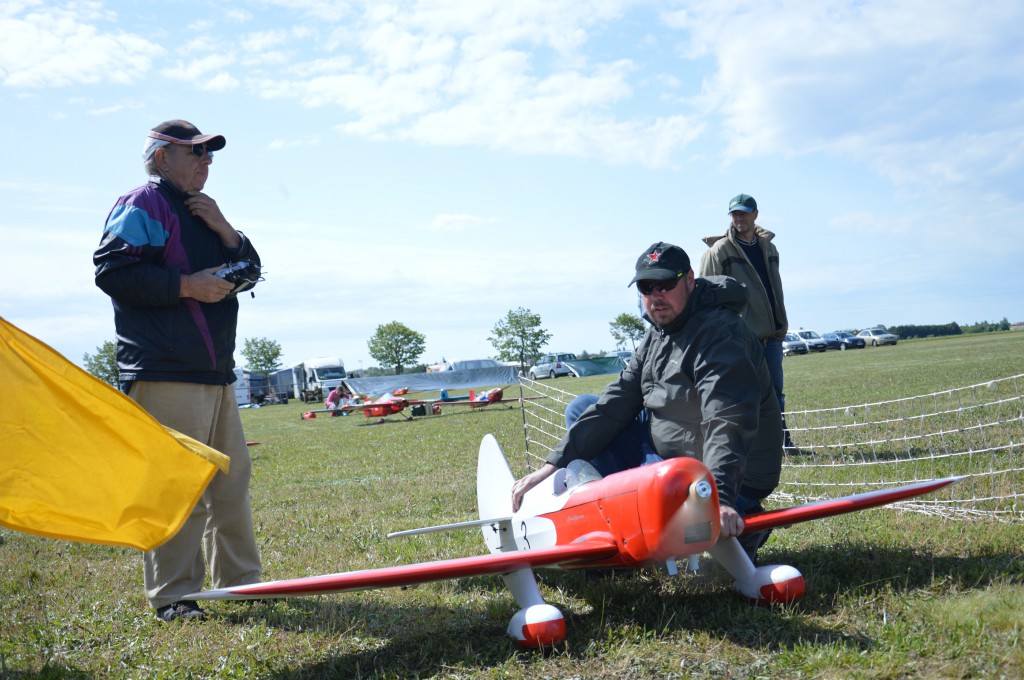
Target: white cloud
{"points": [[198, 70], [509, 76], [281, 144], [260, 41], [795, 78], [327, 11], [114, 108], [52, 47], [220, 82], [238, 15], [454, 223]]}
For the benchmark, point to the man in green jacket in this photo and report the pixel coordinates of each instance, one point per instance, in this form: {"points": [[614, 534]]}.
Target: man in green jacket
{"points": [[696, 386], [746, 253]]}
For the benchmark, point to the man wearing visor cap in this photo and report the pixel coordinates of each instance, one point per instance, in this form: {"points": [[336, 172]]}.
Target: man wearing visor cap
{"points": [[697, 386], [176, 320]]}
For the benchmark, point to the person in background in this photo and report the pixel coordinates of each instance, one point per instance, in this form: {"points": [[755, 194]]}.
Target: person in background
{"points": [[336, 399], [176, 321], [746, 253], [697, 386]]}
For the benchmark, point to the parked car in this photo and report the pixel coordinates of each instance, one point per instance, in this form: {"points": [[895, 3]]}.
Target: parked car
{"points": [[624, 354], [815, 343], [877, 336], [552, 366], [843, 340], [793, 345]]}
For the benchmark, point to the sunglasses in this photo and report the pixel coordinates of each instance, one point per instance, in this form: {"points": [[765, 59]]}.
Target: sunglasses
{"points": [[199, 149], [648, 287]]}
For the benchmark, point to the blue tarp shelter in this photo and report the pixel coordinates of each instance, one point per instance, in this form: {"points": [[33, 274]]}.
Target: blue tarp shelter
{"points": [[429, 382], [596, 365]]}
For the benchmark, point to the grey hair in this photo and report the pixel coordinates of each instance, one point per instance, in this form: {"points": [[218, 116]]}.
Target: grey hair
{"points": [[149, 154]]}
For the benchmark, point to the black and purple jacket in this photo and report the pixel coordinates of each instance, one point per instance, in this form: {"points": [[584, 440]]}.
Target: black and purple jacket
{"points": [[150, 239]]}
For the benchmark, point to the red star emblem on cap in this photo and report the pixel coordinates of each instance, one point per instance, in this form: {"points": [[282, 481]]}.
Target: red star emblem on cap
{"points": [[653, 257]]}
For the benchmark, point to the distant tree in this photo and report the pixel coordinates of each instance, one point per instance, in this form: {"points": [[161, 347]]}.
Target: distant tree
{"points": [[925, 331], [262, 355], [627, 328], [377, 371], [986, 327], [395, 344], [519, 337], [103, 364]]}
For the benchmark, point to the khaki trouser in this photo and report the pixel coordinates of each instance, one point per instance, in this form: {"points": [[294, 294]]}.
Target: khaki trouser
{"points": [[221, 522]]}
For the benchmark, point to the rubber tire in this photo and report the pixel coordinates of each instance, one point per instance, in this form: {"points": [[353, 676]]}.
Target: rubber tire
{"points": [[551, 375]]}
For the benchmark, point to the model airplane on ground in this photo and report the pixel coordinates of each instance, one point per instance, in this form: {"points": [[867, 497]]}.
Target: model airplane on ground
{"points": [[392, 403], [574, 519]]}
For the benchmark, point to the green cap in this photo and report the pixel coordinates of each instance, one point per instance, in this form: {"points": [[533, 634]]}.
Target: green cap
{"points": [[743, 202]]}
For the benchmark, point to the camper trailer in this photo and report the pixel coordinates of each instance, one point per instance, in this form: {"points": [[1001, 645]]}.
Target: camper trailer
{"points": [[250, 388], [311, 380]]}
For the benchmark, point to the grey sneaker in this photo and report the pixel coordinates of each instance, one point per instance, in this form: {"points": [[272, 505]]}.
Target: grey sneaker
{"points": [[182, 609]]}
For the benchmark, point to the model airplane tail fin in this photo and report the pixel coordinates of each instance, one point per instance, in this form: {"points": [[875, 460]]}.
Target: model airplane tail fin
{"points": [[472, 397], [494, 482]]}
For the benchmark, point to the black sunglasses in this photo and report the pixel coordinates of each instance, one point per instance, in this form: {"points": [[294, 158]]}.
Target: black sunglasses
{"points": [[199, 149], [647, 287]]}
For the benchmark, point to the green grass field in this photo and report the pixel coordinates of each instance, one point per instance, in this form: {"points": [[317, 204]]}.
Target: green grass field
{"points": [[890, 595]]}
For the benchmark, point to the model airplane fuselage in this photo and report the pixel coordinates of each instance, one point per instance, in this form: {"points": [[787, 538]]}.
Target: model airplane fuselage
{"points": [[656, 514]]}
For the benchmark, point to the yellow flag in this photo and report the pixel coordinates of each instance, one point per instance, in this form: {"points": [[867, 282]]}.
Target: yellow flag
{"points": [[81, 461]]}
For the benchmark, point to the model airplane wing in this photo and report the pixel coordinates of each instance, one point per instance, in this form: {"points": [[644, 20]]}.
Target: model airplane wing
{"points": [[386, 405], [594, 549], [839, 506], [492, 396], [340, 409], [480, 402]]}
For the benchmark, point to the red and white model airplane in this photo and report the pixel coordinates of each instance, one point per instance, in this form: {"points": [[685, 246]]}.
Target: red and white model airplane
{"points": [[575, 519], [392, 403]]}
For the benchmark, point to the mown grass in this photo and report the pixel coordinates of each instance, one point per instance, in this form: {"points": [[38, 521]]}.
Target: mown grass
{"points": [[890, 595]]}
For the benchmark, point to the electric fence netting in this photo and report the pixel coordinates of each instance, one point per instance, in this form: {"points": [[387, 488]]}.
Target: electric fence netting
{"points": [[974, 432]]}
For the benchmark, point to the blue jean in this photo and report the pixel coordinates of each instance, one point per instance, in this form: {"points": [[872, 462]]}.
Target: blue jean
{"points": [[773, 359], [632, 448]]}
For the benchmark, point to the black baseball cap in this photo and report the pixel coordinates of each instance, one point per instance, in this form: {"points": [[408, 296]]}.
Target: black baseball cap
{"points": [[661, 261]]}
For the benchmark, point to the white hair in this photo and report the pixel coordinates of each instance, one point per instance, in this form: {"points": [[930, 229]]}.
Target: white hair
{"points": [[149, 154]]}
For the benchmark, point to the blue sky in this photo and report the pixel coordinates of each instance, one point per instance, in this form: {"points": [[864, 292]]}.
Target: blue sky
{"points": [[442, 162]]}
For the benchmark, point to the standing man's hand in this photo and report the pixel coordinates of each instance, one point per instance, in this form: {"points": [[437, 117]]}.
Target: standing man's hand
{"points": [[205, 285], [206, 209], [531, 480], [731, 522]]}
